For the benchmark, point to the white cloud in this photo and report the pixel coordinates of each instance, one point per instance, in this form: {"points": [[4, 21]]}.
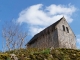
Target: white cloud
{"points": [[38, 17], [33, 30], [78, 41], [60, 9]]}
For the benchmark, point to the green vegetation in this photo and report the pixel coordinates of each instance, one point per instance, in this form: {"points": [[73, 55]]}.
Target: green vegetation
{"points": [[43, 54]]}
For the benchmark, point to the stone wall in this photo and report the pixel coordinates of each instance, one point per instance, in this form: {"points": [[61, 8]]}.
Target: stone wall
{"points": [[56, 37], [47, 41], [66, 39]]}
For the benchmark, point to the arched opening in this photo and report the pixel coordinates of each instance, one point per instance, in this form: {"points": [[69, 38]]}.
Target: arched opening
{"points": [[63, 27], [67, 29]]}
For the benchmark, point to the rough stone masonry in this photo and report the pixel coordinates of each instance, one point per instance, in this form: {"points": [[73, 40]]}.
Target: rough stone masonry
{"points": [[57, 35]]}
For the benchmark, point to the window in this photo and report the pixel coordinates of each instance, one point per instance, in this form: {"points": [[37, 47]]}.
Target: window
{"points": [[48, 32], [67, 29], [63, 27]]}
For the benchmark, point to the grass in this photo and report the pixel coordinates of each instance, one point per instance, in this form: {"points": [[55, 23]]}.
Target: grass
{"points": [[44, 54]]}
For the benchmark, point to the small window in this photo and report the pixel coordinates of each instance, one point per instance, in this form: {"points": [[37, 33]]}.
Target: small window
{"points": [[63, 27], [67, 29], [48, 32]]}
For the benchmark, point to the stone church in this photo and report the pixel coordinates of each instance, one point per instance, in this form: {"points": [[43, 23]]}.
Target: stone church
{"points": [[57, 35]]}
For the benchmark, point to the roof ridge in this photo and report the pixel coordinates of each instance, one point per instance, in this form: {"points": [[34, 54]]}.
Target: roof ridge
{"points": [[36, 35]]}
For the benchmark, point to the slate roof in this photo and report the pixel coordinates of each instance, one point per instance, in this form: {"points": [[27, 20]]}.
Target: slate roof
{"points": [[43, 31]]}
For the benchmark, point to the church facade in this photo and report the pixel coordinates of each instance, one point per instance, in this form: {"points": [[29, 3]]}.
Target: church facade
{"points": [[57, 35]]}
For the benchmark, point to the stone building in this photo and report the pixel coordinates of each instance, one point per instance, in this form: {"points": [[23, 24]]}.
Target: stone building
{"points": [[57, 35]]}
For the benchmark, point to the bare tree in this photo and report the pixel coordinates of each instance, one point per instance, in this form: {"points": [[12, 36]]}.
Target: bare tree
{"points": [[13, 35]]}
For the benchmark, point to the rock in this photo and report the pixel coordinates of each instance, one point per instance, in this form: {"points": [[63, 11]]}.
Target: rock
{"points": [[13, 57]]}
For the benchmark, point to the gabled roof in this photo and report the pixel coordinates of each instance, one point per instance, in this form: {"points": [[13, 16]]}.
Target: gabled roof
{"points": [[43, 31]]}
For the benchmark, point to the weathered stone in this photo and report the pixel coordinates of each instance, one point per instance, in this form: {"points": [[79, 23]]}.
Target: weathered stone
{"points": [[13, 57], [58, 35]]}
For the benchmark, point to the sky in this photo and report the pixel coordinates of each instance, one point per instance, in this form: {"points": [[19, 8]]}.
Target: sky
{"points": [[36, 15]]}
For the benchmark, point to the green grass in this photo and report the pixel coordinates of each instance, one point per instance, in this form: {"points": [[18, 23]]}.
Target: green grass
{"points": [[42, 54]]}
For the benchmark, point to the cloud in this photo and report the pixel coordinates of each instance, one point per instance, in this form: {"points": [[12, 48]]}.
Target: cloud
{"points": [[35, 30], [78, 41], [38, 17]]}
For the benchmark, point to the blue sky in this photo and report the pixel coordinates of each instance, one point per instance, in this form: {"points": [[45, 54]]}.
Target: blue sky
{"points": [[38, 14]]}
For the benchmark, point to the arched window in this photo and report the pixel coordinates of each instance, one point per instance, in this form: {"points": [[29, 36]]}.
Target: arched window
{"points": [[63, 27], [48, 32], [67, 29]]}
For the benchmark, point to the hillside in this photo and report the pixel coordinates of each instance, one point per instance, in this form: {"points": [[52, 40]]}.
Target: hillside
{"points": [[43, 54]]}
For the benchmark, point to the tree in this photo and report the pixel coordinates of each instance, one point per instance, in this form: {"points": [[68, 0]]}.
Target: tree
{"points": [[13, 35]]}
